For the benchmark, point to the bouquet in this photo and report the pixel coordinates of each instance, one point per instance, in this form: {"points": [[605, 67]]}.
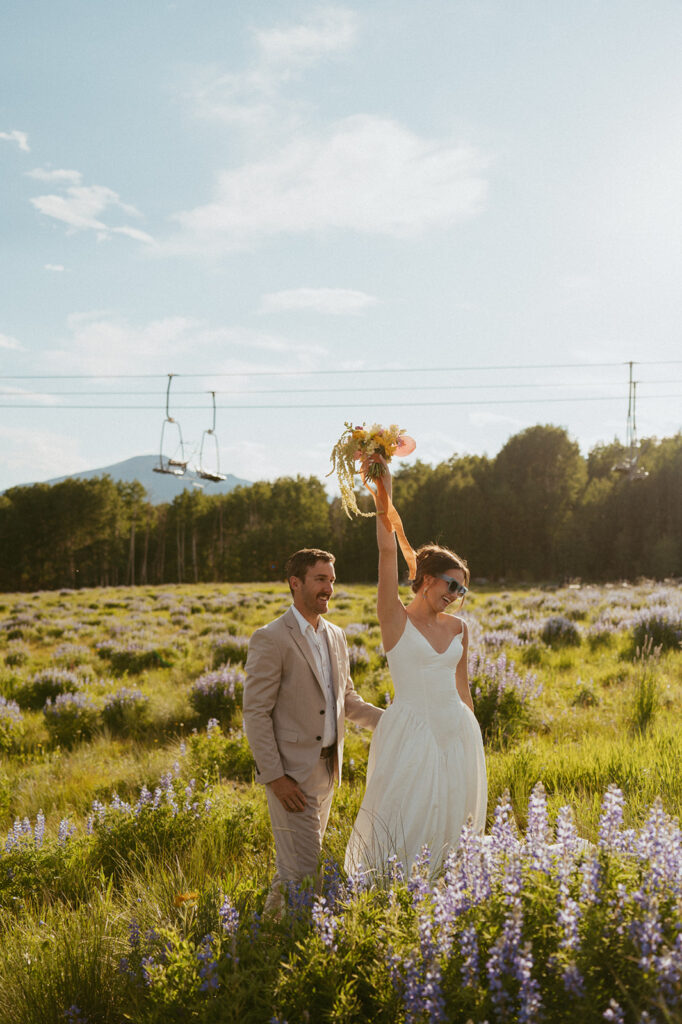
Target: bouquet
{"points": [[359, 444]]}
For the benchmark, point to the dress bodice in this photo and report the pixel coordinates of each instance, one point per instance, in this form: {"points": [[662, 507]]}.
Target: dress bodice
{"points": [[424, 680]]}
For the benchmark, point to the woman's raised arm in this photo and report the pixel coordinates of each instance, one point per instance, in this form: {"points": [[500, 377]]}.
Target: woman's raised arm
{"points": [[390, 609]]}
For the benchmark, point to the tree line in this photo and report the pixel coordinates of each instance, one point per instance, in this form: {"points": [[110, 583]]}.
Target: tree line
{"points": [[538, 510]]}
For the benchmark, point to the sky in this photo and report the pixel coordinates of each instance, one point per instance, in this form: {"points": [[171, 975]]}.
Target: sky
{"points": [[461, 216]]}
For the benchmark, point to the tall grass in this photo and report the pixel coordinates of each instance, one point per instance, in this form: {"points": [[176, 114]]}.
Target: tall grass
{"points": [[598, 714]]}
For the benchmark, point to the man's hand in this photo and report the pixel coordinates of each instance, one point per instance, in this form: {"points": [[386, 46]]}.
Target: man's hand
{"points": [[289, 795]]}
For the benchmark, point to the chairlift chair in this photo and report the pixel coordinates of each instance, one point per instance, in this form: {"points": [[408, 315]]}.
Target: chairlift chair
{"points": [[171, 465], [202, 472]]}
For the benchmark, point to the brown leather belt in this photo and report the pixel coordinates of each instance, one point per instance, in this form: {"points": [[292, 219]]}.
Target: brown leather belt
{"points": [[328, 752]]}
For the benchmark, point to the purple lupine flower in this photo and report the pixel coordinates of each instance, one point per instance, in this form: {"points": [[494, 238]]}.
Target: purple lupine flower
{"points": [[590, 878], [355, 628], [396, 870], [66, 830], [229, 916], [418, 882], [134, 934], [148, 964], [574, 983], [668, 965], [358, 655], [357, 882], [208, 971], [325, 923], [39, 832], [143, 799], [611, 820], [538, 833], [568, 919], [614, 1013], [512, 878], [501, 960], [469, 951], [503, 835], [530, 1003], [567, 840], [10, 711], [502, 675], [659, 843], [74, 1015], [117, 804]]}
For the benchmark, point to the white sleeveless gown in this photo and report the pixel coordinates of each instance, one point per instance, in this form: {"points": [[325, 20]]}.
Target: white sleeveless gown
{"points": [[426, 770]]}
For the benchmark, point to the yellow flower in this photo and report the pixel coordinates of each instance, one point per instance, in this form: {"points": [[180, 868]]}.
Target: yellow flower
{"points": [[184, 897]]}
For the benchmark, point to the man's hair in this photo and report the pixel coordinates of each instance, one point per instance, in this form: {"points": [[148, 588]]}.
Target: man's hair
{"points": [[299, 563]]}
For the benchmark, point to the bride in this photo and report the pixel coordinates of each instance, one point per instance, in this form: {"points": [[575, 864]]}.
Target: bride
{"points": [[426, 771]]}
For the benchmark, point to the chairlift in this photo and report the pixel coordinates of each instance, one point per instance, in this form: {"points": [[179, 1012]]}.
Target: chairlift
{"points": [[629, 467], [202, 472], [171, 465]]}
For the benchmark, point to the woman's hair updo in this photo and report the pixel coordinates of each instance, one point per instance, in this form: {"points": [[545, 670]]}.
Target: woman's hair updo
{"points": [[432, 559]]}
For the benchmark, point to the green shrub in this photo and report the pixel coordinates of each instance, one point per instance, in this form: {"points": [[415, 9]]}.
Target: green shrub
{"points": [[17, 654], [217, 756], [11, 724], [502, 697], [48, 683], [662, 630], [70, 717], [135, 655], [126, 712], [558, 631], [229, 648], [217, 694]]}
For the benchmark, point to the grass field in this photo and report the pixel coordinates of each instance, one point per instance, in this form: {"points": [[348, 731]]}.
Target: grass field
{"points": [[136, 850]]}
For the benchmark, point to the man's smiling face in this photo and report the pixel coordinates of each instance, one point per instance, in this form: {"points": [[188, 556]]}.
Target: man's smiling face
{"points": [[312, 594]]}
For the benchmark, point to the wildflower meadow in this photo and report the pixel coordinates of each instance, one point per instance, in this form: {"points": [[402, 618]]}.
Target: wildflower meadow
{"points": [[136, 853]]}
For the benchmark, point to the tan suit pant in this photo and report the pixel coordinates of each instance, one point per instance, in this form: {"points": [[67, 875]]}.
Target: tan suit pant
{"points": [[299, 834]]}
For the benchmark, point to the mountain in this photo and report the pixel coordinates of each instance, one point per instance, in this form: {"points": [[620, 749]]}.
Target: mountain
{"points": [[160, 487]]}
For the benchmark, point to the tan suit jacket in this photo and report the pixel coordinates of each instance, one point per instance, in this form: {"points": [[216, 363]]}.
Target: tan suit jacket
{"points": [[284, 700]]}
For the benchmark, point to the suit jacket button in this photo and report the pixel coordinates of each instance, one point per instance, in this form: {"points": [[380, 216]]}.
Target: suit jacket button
{"points": [[322, 712], [318, 737]]}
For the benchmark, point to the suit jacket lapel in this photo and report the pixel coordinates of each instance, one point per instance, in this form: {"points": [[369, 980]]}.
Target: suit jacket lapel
{"points": [[304, 646], [334, 659]]}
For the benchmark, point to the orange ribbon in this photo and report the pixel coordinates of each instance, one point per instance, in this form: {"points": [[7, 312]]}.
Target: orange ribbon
{"points": [[395, 523]]}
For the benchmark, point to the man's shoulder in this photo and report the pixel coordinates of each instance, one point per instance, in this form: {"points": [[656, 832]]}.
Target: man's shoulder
{"points": [[280, 625]]}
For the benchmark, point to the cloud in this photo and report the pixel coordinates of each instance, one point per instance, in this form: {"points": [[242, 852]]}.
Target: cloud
{"points": [[35, 397], [28, 455], [253, 97], [43, 174], [139, 236], [99, 342], [329, 30], [81, 207], [334, 301], [21, 139], [367, 174], [56, 267], [7, 342]]}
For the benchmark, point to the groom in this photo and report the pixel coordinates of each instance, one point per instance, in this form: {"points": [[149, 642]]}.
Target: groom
{"points": [[297, 694]]}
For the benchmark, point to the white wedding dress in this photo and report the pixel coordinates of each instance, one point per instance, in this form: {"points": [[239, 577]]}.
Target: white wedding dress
{"points": [[426, 770]]}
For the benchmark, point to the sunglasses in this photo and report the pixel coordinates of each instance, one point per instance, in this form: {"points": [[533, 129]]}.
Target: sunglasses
{"points": [[453, 586]]}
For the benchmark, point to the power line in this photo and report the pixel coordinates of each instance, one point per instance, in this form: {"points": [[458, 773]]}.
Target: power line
{"points": [[316, 391], [334, 372], [344, 405]]}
